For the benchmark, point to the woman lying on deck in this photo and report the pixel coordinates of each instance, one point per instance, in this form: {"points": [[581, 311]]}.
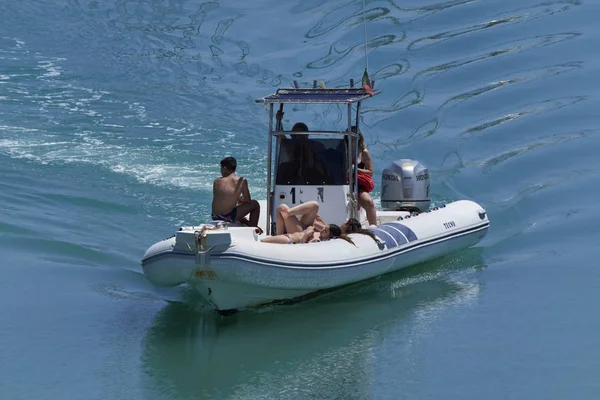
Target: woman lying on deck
{"points": [[309, 235], [306, 229], [298, 218]]}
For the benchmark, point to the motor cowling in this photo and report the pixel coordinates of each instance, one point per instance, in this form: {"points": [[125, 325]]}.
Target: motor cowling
{"points": [[405, 186]]}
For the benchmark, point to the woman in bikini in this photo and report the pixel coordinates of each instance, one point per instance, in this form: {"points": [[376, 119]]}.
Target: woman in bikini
{"points": [[365, 179], [309, 235], [308, 228], [298, 218]]}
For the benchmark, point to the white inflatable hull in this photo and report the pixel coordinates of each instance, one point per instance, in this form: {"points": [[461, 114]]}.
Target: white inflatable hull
{"points": [[233, 269]]}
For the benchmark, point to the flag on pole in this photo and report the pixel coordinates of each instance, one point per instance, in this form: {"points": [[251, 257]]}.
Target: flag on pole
{"points": [[366, 83]]}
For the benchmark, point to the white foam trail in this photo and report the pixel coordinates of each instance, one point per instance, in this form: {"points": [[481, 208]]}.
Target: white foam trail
{"points": [[52, 70], [120, 135]]}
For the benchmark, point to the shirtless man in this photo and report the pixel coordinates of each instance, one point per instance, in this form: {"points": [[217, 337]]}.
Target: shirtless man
{"points": [[231, 197]]}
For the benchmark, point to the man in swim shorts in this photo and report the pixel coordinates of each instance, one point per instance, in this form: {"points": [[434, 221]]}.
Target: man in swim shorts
{"points": [[231, 196]]}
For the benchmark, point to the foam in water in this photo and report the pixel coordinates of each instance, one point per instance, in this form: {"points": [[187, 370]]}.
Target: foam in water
{"points": [[127, 151]]}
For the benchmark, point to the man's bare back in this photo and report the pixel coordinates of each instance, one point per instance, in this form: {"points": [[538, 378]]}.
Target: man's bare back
{"points": [[227, 192], [231, 196]]}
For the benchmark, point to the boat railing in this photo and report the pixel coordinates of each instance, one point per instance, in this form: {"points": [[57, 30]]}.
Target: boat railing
{"points": [[319, 132], [348, 97]]}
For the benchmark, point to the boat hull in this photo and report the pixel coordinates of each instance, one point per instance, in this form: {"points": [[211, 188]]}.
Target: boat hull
{"points": [[239, 271]]}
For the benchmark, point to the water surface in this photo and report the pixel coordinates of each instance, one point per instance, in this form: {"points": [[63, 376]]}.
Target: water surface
{"points": [[114, 115]]}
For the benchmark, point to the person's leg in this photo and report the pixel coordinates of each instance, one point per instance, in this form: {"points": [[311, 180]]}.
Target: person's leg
{"points": [[279, 220], [290, 222], [280, 239], [255, 213], [307, 212], [248, 208], [366, 202]]}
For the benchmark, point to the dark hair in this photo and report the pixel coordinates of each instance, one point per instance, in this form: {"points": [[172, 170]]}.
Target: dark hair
{"points": [[299, 127], [353, 226], [335, 230], [361, 140], [336, 233], [230, 163]]}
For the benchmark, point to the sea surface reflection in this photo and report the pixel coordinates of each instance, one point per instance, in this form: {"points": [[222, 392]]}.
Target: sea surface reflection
{"points": [[325, 347]]}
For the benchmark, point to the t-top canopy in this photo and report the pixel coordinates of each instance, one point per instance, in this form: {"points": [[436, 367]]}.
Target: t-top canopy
{"points": [[317, 96]]}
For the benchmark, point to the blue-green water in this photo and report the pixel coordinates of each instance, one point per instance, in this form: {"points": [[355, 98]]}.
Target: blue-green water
{"points": [[114, 114]]}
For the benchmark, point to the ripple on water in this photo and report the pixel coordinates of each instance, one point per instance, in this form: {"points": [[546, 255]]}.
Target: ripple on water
{"points": [[520, 15], [503, 49], [526, 110], [219, 363], [491, 163], [520, 77]]}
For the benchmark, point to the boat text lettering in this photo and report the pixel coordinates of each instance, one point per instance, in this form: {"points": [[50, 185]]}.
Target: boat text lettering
{"points": [[422, 177], [449, 225], [387, 177], [320, 194], [205, 274]]}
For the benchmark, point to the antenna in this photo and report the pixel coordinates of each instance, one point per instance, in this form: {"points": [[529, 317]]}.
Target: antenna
{"points": [[366, 82], [365, 28]]}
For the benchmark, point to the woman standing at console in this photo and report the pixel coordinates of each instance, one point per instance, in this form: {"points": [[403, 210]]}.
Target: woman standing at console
{"points": [[365, 179]]}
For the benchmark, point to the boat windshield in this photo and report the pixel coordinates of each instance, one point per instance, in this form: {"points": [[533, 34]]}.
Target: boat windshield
{"points": [[304, 161]]}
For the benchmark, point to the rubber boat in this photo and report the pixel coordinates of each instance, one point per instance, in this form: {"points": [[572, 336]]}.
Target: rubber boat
{"points": [[232, 269]]}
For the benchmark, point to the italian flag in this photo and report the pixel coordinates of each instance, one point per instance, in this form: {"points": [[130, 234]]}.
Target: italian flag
{"points": [[366, 83]]}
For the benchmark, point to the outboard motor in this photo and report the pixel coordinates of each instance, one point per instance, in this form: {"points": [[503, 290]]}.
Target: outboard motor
{"points": [[405, 186]]}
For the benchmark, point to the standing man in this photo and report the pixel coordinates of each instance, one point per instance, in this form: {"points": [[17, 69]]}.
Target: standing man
{"points": [[231, 197], [298, 126]]}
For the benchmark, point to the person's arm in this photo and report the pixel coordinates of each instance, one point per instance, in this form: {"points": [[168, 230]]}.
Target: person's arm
{"points": [[216, 189], [245, 191], [279, 124], [308, 234], [366, 158], [319, 225], [278, 120], [316, 237]]}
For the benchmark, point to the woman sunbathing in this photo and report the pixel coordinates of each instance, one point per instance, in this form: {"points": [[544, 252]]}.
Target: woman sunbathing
{"points": [[298, 218], [309, 235], [308, 228]]}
